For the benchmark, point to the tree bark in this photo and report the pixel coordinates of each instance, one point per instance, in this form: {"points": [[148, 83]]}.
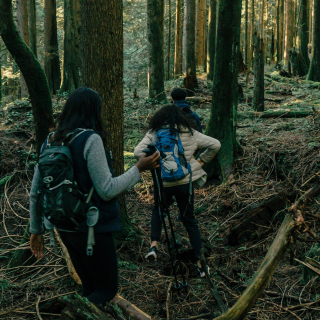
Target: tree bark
{"points": [[212, 32], [304, 30], [177, 53], [102, 70], [222, 121], [71, 59], [169, 41], [22, 17], [246, 33], [32, 26], [155, 9], [281, 27], [289, 30], [33, 73], [278, 32], [200, 34], [51, 53], [190, 81], [258, 91], [314, 71]]}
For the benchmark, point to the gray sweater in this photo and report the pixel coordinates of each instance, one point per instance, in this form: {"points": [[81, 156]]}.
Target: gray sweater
{"points": [[106, 186]]}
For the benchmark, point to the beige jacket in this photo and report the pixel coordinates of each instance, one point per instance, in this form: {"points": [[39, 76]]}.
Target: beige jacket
{"points": [[190, 144]]}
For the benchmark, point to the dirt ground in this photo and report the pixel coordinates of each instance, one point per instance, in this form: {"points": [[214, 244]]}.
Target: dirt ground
{"points": [[278, 155]]}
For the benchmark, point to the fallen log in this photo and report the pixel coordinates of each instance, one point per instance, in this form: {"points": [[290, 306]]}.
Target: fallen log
{"points": [[284, 113], [4, 180], [269, 264], [258, 214], [78, 308], [129, 309]]}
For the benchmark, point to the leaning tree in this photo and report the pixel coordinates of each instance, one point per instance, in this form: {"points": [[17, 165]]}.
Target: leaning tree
{"points": [[38, 90], [102, 69], [222, 122]]}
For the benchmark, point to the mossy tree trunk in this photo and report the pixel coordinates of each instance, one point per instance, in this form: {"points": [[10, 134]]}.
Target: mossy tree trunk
{"points": [[51, 52], [177, 53], [169, 41], [33, 73], [155, 10], [246, 36], [222, 122], [184, 39], [258, 91], [314, 70], [71, 59], [190, 81], [212, 31], [22, 18], [304, 30], [102, 70], [32, 26], [290, 30], [38, 90]]}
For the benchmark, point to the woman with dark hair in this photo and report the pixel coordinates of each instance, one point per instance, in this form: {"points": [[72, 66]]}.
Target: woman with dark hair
{"points": [[81, 119], [171, 117]]}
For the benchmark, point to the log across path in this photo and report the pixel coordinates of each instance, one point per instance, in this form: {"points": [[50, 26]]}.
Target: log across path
{"points": [[292, 220]]}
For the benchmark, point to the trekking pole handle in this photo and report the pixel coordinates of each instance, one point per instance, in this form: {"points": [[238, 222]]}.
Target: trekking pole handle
{"points": [[151, 149]]}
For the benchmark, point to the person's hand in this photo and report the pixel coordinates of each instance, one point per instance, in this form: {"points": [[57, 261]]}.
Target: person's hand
{"points": [[148, 163], [37, 245], [201, 162]]}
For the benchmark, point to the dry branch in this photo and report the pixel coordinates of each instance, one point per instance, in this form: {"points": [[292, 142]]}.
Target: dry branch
{"points": [[271, 260]]}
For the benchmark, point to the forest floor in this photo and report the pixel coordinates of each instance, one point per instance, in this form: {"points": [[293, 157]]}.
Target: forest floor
{"points": [[279, 155]]}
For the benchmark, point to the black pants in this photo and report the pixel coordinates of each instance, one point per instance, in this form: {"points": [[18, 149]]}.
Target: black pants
{"points": [[181, 194], [99, 272]]}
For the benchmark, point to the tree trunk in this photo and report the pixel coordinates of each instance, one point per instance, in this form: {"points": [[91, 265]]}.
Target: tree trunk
{"points": [[246, 37], [222, 121], [212, 32], [205, 37], [200, 33], [22, 17], [258, 92], [51, 53], [102, 70], [169, 41], [278, 32], [32, 26], [314, 70], [155, 10], [304, 30], [190, 81], [71, 59], [184, 39], [32, 72], [177, 53], [290, 29]]}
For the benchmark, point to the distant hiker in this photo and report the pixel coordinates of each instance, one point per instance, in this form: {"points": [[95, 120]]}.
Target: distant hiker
{"points": [[80, 129], [174, 120], [178, 96]]}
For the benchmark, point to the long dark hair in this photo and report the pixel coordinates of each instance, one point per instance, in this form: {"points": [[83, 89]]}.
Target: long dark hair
{"points": [[172, 116], [82, 110]]}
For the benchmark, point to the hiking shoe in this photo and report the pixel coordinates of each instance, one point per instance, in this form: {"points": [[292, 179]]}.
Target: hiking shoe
{"points": [[152, 254], [202, 271]]}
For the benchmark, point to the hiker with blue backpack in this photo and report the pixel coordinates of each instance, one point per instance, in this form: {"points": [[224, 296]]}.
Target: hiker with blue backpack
{"points": [[74, 189], [176, 138], [178, 96]]}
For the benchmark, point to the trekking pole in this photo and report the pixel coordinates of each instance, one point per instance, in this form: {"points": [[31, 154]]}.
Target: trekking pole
{"points": [[163, 208]]}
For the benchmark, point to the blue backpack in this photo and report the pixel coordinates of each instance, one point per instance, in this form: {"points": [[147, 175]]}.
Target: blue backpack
{"points": [[174, 165]]}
